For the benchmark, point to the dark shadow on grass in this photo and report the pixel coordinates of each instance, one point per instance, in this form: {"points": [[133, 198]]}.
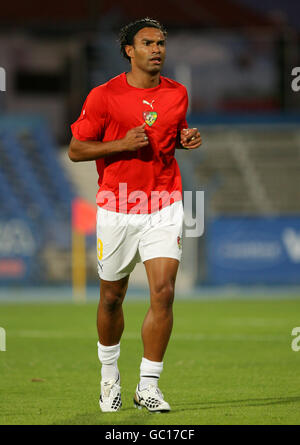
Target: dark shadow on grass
{"points": [[131, 416], [238, 403], [127, 416]]}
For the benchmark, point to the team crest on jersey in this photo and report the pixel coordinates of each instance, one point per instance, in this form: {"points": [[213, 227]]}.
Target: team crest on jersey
{"points": [[150, 117]]}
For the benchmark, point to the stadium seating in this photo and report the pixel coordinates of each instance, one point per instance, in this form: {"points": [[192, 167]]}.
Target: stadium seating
{"points": [[271, 157], [32, 183]]}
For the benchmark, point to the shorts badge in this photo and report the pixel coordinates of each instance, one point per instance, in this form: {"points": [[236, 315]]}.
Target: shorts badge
{"points": [[179, 242]]}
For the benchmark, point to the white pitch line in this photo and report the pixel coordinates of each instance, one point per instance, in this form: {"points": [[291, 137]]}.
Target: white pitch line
{"points": [[137, 336]]}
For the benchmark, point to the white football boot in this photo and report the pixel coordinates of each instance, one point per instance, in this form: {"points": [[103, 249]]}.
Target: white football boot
{"points": [[151, 398], [110, 397]]}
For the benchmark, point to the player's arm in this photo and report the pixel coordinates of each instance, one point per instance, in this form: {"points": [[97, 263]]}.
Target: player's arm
{"points": [[190, 138], [91, 150]]}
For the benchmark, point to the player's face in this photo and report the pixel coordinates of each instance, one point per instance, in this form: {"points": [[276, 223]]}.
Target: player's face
{"points": [[148, 51]]}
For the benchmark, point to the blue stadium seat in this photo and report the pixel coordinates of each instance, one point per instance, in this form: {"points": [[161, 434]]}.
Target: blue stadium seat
{"points": [[33, 184]]}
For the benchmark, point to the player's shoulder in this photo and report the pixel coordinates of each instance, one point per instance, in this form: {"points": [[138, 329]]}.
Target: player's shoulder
{"points": [[107, 87], [173, 84], [97, 95], [113, 85]]}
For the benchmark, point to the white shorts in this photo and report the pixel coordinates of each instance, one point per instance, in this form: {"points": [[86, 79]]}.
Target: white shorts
{"points": [[126, 239]]}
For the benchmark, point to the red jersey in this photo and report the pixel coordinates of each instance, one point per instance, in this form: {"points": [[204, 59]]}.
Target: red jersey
{"points": [[141, 181]]}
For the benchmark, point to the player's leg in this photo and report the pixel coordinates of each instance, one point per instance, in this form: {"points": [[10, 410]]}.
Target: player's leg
{"points": [[156, 331], [160, 250], [110, 325], [110, 320], [157, 326], [116, 254]]}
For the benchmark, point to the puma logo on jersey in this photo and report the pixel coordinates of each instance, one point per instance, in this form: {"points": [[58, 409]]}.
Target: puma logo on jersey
{"points": [[148, 103]]}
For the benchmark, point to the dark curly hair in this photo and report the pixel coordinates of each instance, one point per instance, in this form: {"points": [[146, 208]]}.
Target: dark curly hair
{"points": [[127, 33]]}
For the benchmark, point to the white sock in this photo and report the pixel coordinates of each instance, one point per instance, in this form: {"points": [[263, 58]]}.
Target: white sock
{"points": [[149, 373], [108, 356]]}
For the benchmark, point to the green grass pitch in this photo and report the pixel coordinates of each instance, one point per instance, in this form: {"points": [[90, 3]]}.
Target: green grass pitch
{"points": [[228, 362]]}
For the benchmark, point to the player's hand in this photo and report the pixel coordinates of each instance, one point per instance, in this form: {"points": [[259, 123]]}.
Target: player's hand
{"points": [[190, 138], [135, 138]]}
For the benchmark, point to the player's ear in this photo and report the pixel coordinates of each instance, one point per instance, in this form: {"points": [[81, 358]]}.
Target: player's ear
{"points": [[129, 51]]}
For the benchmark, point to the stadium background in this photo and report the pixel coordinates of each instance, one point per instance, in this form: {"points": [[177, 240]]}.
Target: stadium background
{"points": [[235, 57]]}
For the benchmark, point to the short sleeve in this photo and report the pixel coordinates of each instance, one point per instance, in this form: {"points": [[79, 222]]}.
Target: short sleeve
{"points": [[90, 125], [183, 122]]}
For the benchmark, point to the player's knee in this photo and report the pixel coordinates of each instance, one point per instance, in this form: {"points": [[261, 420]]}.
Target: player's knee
{"points": [[111, 301], [163, 295]]}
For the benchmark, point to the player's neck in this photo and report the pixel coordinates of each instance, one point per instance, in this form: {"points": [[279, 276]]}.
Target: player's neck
{"points": [[140, 79]]}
